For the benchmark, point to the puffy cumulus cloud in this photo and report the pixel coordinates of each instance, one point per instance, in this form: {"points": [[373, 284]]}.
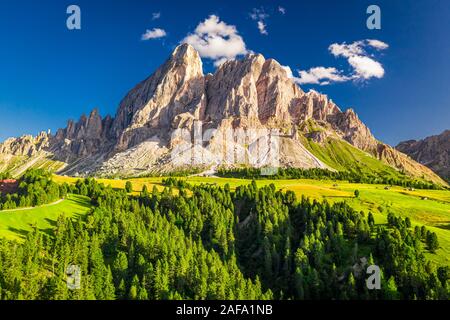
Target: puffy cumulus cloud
{"points": [[154, 34], [282, 10], [364, 66], [216, 40], [260, 16], [347, 50], [320, 75], [356, 48], [316, 75]]}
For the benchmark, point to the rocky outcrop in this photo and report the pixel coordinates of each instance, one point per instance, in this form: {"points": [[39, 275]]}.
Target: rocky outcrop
{"points": [[232, 94], [88, 136], [26, 145], [433, 152], [353, 130]]}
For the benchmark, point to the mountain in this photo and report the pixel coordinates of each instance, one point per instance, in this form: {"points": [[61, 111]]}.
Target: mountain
{"points": [[433, 152], [179, 118]]}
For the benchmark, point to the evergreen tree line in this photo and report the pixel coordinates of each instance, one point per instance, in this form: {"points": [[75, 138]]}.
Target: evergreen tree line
{"points": [[5, 175], [35, 188], [208, 242], [325, 174]]}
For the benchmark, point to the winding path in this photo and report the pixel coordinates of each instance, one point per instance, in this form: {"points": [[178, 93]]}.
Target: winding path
{"points": [[30, 208]]}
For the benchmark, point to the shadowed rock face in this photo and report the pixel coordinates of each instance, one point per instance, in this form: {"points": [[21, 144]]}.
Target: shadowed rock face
{"points": [[251, 93], [433, 152]]}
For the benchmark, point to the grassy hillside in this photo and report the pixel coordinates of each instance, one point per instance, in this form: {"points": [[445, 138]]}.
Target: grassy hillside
{"points": [[14, 224], [17, 165], [342, 156]]}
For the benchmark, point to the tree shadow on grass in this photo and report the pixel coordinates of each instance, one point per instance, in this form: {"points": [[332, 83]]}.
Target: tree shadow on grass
{"points": [[22, 233], [50, 222], [85, 202], [443, 226]]}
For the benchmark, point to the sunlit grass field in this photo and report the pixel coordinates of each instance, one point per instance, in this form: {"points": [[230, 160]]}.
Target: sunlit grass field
{"points": [[14, 224]]}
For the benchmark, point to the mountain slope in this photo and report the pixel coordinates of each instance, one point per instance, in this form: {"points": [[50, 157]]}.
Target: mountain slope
{"points": [[179, 118], [433, 152]]}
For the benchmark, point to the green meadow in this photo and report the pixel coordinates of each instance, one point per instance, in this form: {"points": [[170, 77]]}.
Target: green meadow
{"points": [[14, 224]]}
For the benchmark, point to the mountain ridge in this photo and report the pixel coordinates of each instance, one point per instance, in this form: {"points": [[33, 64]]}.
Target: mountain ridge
{"points": [[432, 151], [253, 93]]}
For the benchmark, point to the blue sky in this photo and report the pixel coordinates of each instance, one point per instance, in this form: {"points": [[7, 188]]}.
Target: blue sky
{"points": [[49, 74]]}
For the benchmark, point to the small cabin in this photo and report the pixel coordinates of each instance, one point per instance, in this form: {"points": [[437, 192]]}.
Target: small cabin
{"points": [[8, 185]]}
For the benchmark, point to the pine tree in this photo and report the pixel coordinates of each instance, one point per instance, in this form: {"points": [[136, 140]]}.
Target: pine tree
{"points": [[432, 241], [128, 187], [390, 292]]}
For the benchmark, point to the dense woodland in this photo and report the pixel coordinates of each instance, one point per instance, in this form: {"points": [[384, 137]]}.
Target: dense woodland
{"points": [[207, 242], [35, 188], [318, 173]]}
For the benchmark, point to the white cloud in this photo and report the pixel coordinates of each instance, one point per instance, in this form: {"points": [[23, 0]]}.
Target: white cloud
{"points": [[282, 10], [347, 50], [154, 34], [156, 15], [262, 28], [364, 67], [377, 44], [320, 75], [260, 16], [317, 75], [216, 40]]}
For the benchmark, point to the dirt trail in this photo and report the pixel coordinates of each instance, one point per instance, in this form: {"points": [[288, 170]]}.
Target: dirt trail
{"points": [[30, 208]]}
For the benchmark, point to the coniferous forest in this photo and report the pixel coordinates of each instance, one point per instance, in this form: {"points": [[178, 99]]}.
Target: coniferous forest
{"points": [[34, 188], [208, 242]]}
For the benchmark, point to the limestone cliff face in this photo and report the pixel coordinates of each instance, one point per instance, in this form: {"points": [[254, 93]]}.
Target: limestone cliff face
{"points": [[250, 93], [278, 96], [80, 139], [353, 130], [317, 106], [433, 152], [26, 145], [173, 95], [231, 91]]}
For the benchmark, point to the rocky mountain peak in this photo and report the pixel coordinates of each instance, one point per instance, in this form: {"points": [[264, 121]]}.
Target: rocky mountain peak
{"points": [[176, 87], [433, 151], [187, 59], [231, 91], [26, 145], [353, 130]]}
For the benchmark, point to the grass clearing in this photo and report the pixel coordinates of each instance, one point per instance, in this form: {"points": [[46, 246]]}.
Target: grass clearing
{"points": [[15, 224]]}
